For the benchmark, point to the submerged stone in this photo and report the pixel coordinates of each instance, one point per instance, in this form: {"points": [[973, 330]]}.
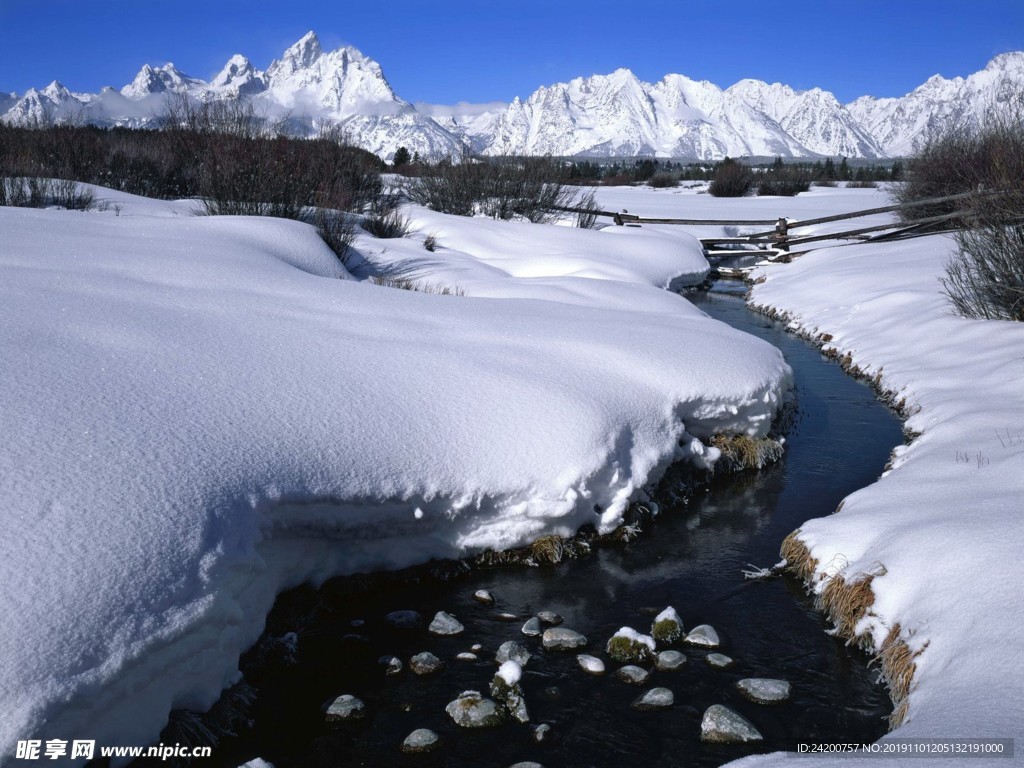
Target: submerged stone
{"points": [[392, 664], [550, 618], [703, 635], [532, 627], [506, 617], [667, 627], [630, 647], [669, 661], [562, 639], [404, 619], [764, 690], [445, 624], [723, 726], [420, 740], [526, 764], [476, 647], [541, 733], [656, 698], [483, 597], [472, 710], [719, 660], [512, 651], [345, 707], [425, 663], [633, 674], [590, 664], [467, 656]]}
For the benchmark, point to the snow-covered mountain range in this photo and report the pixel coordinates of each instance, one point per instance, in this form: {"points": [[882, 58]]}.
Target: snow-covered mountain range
{"points": [[308, 89]]}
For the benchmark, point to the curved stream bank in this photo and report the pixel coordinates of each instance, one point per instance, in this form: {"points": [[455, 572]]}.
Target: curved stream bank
{"points": [[690, 558]]}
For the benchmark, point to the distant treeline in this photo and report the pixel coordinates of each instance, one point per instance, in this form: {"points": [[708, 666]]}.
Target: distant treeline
{"points": [[643, 170], [219, 153]]}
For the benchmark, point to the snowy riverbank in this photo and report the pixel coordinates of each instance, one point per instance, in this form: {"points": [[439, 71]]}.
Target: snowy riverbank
{"points": [[940, 534], [199, 412]]}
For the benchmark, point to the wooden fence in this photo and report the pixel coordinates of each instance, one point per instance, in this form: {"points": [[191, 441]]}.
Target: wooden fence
{"points": [[781, 238]]}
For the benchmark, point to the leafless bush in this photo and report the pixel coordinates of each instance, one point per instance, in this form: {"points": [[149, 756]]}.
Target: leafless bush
{"points": [[663, 180], [337, 230], [986, 277], [732, 179], [71, 195], [36, 192], [506, 188], [586, 217], [430, 242], [861, 185], [962, 159], [387, 225], [784, 180]]}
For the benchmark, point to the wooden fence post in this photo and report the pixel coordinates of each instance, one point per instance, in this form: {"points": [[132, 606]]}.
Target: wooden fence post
{"points": [[782, 232]]}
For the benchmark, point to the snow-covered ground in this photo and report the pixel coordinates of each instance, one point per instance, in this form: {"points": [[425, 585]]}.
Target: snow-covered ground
{"points": [[199, 412]]}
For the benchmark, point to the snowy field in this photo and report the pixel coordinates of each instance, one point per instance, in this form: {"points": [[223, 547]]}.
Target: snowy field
{"points": [[200, 412]]}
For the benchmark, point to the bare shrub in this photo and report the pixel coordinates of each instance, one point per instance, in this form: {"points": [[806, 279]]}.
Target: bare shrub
{"points": [[986, 277], [732, 179], [430, 242], [71, 195], [861, 185], [337, 230], [586, 216], [387, 225], [505, 188], [825, 183], [784, 180], [962, 159], [663, 180]]}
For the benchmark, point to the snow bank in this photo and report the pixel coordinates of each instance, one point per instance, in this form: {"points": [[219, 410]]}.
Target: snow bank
{"points": [[942, 530], [198, 413]]}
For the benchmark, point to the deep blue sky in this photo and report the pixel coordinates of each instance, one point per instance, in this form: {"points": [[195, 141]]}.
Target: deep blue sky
{"points": [[458, 50]]}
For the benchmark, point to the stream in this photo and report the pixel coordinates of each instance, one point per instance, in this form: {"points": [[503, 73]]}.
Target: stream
{"points": [[690, 557]]}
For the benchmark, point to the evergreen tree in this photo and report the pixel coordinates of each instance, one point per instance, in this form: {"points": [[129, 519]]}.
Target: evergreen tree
{"points": [[402, 157], [844, 170]]}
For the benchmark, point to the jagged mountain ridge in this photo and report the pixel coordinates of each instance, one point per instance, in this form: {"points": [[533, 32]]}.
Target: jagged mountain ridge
{"points": [[308, 89]]}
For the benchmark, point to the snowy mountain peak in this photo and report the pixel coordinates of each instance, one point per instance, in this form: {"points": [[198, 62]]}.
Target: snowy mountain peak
{"points": [[239, 78], [302, 55], [1011, 61]]}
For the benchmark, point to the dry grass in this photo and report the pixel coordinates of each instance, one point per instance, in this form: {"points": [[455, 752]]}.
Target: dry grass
{"points": [[798, 558], [408, 284], [898, 667], [741, 452], [548, 550], [846, 602]]}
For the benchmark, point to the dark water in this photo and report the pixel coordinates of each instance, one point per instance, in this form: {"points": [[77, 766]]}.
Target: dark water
{"points": [[690, 558]]}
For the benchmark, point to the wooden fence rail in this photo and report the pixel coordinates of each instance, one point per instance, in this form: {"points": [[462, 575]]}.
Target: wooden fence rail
{"points": [[780, 237]]}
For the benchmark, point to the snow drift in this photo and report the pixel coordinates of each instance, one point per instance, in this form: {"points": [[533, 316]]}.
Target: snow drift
{"points": [[201, 412]]}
